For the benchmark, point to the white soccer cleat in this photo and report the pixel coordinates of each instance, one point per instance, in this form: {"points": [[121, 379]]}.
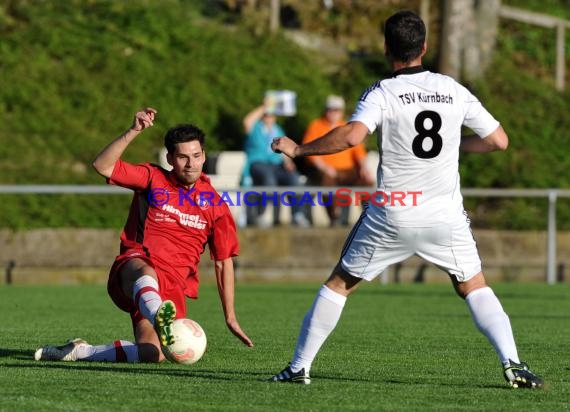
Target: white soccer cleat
{"points": [[66, 353]]}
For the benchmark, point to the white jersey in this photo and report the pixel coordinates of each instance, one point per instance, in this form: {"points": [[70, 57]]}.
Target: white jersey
{"points": [[419, 115]]}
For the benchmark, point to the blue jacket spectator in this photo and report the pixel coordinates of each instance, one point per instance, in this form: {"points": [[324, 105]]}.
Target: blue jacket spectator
{"points": [[266, 167]]}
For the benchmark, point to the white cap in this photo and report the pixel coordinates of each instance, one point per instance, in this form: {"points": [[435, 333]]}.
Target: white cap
{"points": [[335, 102]]}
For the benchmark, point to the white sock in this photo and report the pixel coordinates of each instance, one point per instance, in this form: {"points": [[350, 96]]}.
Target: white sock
{"points": [[317, 325], [493, 322], [118, 351], [146, 296]]}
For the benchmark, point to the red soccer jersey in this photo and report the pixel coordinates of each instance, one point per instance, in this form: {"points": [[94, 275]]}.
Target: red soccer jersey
{"points": [[171, 224]]}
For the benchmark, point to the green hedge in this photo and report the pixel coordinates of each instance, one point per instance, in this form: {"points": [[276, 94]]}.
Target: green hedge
{"points": [[73, 73]]}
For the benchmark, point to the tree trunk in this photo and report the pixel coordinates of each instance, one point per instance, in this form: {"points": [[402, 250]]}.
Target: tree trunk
{"points": [[481, 38], [452, 34], [468, 37], [274, 16]]}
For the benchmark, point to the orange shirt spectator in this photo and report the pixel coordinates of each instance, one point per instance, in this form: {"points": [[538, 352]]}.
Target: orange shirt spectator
{"points": [[346, 168], [340, 161]]}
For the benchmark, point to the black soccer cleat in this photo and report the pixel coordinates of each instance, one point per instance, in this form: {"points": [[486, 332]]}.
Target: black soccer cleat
{"points": [[288, 376], [518, 375]]}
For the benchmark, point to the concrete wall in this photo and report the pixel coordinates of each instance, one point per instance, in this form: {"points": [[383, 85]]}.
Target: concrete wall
{"points": [[85, 255]]}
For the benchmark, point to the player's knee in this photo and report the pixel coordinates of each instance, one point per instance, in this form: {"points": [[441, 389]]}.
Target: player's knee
{"points": [[341, 281], [465, 288], [460, 292], [135, 268]]}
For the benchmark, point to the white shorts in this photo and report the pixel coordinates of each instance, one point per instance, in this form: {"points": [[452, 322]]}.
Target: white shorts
{"points": [[373, 245]]}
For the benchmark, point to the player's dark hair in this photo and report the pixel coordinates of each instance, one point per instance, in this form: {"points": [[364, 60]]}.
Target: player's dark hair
{"points": [[183, 133], [405, 35]]}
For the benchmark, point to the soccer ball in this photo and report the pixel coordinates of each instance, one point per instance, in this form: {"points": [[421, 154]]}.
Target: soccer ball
{"points": [[189, 342]]}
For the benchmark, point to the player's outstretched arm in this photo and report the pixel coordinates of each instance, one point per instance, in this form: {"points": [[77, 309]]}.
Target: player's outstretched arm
{"points": [[105, 161], [226, 288], [498, 140], [337, 140]]}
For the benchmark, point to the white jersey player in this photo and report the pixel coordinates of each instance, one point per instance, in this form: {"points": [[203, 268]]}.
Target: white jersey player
{"points": [[419, 115], [418, 208]]}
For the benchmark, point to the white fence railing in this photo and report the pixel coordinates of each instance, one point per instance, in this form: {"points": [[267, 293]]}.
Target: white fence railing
{"points": [[551, 194], [547, 21]]}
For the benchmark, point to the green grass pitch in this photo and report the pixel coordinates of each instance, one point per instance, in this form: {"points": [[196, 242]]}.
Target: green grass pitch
{"points": [[397, 347]]}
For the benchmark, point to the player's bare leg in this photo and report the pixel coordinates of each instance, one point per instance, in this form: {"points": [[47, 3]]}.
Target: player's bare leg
{"points": [[491, 320], [132, 272], [341, 282], [139, 280], [317, 325], [148, 342]]}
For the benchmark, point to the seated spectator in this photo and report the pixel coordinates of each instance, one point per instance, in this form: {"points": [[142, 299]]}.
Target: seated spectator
{"points": [[266, 167], [344, 169]]}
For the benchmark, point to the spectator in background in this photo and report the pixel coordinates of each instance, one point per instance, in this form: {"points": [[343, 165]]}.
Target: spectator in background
{"points": [[347, 168], [266, 167]]}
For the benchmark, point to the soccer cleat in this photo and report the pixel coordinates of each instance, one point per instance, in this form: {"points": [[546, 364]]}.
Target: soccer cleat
{"points": [[163, 322], [287, 375], [66, 352], [518, 375]]}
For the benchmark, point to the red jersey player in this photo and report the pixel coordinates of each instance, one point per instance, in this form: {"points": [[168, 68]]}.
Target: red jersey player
{"points": [[173, 215]]}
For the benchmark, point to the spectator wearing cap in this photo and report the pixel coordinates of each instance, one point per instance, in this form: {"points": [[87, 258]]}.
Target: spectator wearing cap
{"points": [[343, 169], [267, 168]]}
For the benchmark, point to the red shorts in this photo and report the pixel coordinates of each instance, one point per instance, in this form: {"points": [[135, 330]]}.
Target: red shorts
{"points": [[169, 288]]}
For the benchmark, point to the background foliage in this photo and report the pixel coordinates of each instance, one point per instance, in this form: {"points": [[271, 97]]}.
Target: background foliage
{"points": [[73, 73]]}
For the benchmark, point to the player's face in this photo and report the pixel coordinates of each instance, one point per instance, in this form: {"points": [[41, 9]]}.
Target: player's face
{"points": [[187, 161]]}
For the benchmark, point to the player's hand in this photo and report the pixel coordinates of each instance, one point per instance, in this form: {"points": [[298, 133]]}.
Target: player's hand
{"points": [[235, 328], [144, 119], [284, 145]]}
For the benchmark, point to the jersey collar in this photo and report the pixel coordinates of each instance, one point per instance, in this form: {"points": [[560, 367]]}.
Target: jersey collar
{"points": [[409, 70], [203, 179]]}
